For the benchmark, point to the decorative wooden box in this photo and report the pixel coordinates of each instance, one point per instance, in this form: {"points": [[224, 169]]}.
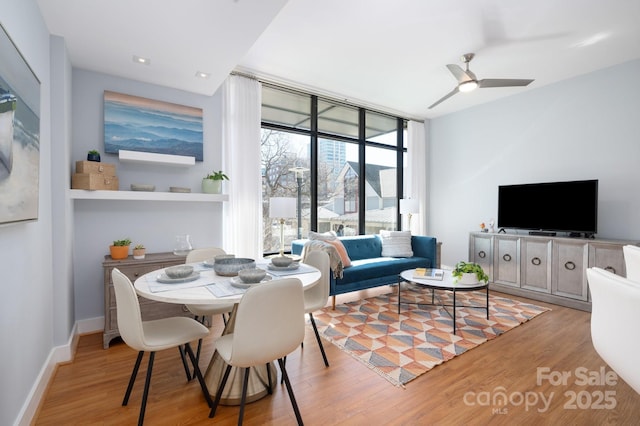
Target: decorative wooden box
{"points": [[94, 181], [95, 167], [94, 175]]}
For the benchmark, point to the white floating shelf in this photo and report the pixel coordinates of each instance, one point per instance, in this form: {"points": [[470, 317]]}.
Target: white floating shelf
{"points": [[151, 157], [84, 194]]}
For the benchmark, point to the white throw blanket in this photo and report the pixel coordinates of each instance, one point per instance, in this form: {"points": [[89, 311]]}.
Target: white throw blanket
{"points": [[334, 258]]}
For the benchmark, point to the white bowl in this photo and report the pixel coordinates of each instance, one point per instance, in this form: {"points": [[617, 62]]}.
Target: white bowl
{"points": [[253, 275], [179, 271], [229, 267], [281, 261]]}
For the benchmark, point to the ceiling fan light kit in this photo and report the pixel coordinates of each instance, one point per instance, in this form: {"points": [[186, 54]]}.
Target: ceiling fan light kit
{"points": [[467, 80], [468, 86]]}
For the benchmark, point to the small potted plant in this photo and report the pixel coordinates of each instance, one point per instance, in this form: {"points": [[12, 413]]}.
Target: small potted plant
{"points": [[212, 183], [120, 249], [93, 155], [469, 273], [139, 251]]}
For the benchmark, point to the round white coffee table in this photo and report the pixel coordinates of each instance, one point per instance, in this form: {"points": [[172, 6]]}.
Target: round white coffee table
{"points": [[447, 284]]}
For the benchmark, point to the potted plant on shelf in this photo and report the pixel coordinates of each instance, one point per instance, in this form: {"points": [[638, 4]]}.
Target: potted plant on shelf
{"points": [[139, 251], [469, 273], [212, 183], [120, 249], [93, 155]]}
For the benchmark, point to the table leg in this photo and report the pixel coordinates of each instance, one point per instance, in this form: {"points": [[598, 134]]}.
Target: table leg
{"points": [[454, 311], [487, 301], [232, 393], [399, 282]]}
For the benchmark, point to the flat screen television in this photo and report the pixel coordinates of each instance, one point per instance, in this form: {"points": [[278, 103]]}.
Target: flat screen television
{"points": [[552, 206]]}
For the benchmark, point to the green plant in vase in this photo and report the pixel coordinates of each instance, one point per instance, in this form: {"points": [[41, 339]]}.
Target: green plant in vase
{"points": [[212, 183], [93, 155], [471, 268], [120, 249], [139, 251]]}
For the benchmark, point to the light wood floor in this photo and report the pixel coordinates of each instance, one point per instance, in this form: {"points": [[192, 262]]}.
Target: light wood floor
{"points": [[89, 390]]}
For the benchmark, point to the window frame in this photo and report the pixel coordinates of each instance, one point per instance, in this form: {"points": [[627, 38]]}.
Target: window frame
{"points": [[315, 135]]}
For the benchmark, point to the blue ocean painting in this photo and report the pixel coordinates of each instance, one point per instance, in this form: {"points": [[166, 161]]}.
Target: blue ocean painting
{"points": [[138, 124]]}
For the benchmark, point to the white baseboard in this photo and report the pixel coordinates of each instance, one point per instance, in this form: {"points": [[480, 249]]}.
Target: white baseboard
{"points": [[58, 354]]}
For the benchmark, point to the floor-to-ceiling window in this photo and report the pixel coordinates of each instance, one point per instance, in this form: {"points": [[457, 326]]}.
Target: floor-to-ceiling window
{"points": [[342, 164]]}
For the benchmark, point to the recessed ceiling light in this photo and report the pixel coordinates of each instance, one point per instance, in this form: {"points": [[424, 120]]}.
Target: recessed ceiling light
{"points": [[141, 60], [201, 74]]}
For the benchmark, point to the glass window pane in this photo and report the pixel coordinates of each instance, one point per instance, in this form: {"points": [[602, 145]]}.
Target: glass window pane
{"points": [[337, 119], [286, 108], [381, 199], [381, 128], [338, 187], [283, 154]]}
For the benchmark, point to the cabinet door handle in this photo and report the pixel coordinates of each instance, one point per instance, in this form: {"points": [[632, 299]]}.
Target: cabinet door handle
{"points": [[536, 261], [610, 269], [482, 254], [570, 266], [507, 257]]}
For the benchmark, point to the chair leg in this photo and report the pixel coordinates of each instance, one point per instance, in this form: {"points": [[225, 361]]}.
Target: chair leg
{"points": [[225, 377], [147, 384], [284, 360], [184, 363], [197, 373], [290, 391], [333, 303], [315, 330], [245, 384], [197, 356], [132, 380], [269, 389]]}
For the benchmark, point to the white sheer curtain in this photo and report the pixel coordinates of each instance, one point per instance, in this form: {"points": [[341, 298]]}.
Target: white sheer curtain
{"points": [[417, 171], [242, 214]]}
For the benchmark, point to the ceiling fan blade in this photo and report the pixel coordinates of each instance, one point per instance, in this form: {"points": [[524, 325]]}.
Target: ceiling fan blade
{"points": [[460, 74], [502, 82], [445, 97]]}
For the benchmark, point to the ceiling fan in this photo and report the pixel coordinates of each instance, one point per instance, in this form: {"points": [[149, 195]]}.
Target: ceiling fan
{"points": [[467, 80]]}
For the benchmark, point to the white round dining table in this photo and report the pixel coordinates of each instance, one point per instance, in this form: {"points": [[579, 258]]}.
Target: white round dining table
{"points": [[201, 291], [197, 291]]}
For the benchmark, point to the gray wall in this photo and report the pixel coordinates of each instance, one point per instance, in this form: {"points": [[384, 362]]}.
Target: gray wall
{"points": [[27, 303], [583, 128], [152, 223]]}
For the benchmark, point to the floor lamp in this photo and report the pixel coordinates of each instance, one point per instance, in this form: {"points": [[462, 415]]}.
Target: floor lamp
{"points": [[409, 206], [282, 208]]}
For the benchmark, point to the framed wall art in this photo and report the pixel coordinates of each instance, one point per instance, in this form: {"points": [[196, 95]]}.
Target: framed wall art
{"points": [[133, 123], [19, 135]]}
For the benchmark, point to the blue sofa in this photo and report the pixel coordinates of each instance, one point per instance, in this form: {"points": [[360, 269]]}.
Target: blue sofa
{"points": [[369, 269]]}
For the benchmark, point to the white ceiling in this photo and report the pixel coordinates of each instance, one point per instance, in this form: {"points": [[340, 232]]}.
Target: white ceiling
{"points": [[380, 53]]}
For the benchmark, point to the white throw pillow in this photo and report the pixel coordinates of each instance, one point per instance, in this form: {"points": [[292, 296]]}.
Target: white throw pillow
{"points": [[396, 243], [327, 236]]}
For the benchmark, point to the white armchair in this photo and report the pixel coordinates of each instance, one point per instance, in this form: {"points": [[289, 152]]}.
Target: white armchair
{"points": [[632, 262], [615, 307]]}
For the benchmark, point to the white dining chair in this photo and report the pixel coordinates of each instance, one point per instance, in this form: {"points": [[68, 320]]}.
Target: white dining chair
{"points": [[269, 324], [153, 336], [317, 296], [201, 312], [632, 262], [614, 307]]}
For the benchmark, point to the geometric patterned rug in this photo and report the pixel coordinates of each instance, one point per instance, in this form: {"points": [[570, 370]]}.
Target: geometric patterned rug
{"points": [[401, 348]]}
